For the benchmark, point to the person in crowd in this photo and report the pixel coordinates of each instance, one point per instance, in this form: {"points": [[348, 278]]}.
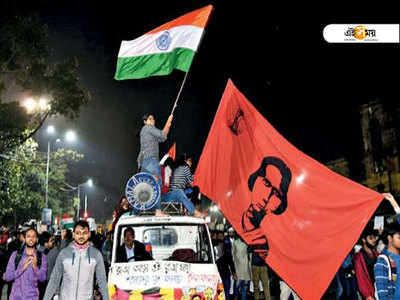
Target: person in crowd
{"points": [[213, 234], [66, 238], [231, 235], [220, 235], [26, 267], [51, 260], [96, 240], [148, 159], [131, 250], [46, 244], [3, 266], [242, 267], [385, 270], [229, 239], [181, 179], [259, 272], [364, 262], [16, 243], [77, 264], [346, 280], [286, 291], [106, 250], [4, 238], [225, 265], [122, 208]]}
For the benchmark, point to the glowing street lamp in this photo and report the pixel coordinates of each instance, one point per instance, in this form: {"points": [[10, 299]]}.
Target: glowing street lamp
{"points": [[43, 104], [51, 129], [70, 136], [90, 182], [30, 105]]}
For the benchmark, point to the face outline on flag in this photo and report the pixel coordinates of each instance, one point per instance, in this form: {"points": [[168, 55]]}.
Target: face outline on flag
{"points": [[266, 194], [269, 186], [270, 182]]}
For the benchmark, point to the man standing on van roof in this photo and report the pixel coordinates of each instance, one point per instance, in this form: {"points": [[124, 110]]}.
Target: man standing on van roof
{"points": [[76, 265], [148, 159]]}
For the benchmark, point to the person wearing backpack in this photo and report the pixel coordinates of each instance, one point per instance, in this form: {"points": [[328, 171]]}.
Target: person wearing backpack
{"points": [[26, 267], [387, 284], [76, 268]]}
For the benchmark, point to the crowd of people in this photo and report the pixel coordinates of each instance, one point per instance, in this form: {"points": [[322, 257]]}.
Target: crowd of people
{"points": [[368, 272], [243, 272], [39, 266], [32, 264]]}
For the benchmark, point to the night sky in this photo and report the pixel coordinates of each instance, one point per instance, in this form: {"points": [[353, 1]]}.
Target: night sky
{"points": [[275, 54]]}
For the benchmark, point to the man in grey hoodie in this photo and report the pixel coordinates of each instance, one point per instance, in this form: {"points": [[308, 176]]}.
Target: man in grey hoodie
{"points": [[77, 265]]}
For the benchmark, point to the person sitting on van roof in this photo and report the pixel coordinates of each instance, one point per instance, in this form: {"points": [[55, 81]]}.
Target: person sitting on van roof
{"points": [[181, 179], [131, 250]]}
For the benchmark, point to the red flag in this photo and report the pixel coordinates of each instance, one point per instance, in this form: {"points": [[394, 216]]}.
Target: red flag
{"points": [[172, 151], [302, 216]]}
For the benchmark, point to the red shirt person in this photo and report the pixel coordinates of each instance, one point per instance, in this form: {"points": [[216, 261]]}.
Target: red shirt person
{"points": [[364, 262]]}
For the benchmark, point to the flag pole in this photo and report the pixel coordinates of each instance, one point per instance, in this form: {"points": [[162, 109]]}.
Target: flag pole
{"points": [[180, 91], [184, 79]]}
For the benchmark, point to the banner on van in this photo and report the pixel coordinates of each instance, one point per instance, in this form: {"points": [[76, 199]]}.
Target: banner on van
{"points": [[174, 280]]}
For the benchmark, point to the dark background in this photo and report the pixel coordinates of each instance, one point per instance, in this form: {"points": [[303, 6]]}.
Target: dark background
{"points": [[273, 51]]}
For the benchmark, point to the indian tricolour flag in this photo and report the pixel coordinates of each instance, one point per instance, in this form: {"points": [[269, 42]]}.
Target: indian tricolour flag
{"points": [[158, 52], [67, 221]]}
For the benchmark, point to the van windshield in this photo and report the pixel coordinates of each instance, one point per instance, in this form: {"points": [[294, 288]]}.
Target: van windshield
{"points": [[178, 242]]}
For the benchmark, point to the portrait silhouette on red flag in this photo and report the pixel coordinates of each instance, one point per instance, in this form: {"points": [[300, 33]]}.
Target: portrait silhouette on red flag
{"points": [[297, 214]]}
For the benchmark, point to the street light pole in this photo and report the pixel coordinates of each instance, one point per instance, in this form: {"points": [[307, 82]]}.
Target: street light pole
{"points": [[79, 201], [70, 137], [90, 184], [85, 206], [47, 174]]}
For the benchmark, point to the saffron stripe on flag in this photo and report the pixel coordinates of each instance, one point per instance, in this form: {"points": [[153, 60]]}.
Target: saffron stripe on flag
{"points": [[197, 18]]}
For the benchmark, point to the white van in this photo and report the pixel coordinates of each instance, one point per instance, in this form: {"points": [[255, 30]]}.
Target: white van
{"points": [[183, 265]]}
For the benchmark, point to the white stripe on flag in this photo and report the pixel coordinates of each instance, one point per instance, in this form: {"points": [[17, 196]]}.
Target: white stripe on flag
{"points": [[186, 36]]}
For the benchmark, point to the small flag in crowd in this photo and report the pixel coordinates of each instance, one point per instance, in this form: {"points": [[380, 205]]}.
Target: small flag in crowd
{"points": [[171, 153]]}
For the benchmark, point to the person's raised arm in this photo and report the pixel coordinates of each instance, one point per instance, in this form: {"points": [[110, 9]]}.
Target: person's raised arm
{"points": [[168, 124], [393, 202]]}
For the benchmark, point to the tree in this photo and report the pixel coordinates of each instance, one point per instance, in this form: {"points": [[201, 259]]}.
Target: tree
{"points": [[25, 66], [22, 182]]}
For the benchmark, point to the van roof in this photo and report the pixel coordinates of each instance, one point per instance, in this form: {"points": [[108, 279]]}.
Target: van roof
{"points": [[143, 220]]}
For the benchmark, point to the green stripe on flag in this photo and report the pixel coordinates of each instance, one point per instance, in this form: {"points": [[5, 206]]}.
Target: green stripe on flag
{"points": [[154, 64]]}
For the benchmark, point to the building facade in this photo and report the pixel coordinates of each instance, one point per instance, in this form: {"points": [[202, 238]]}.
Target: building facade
{"points": [[380, 147]]}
